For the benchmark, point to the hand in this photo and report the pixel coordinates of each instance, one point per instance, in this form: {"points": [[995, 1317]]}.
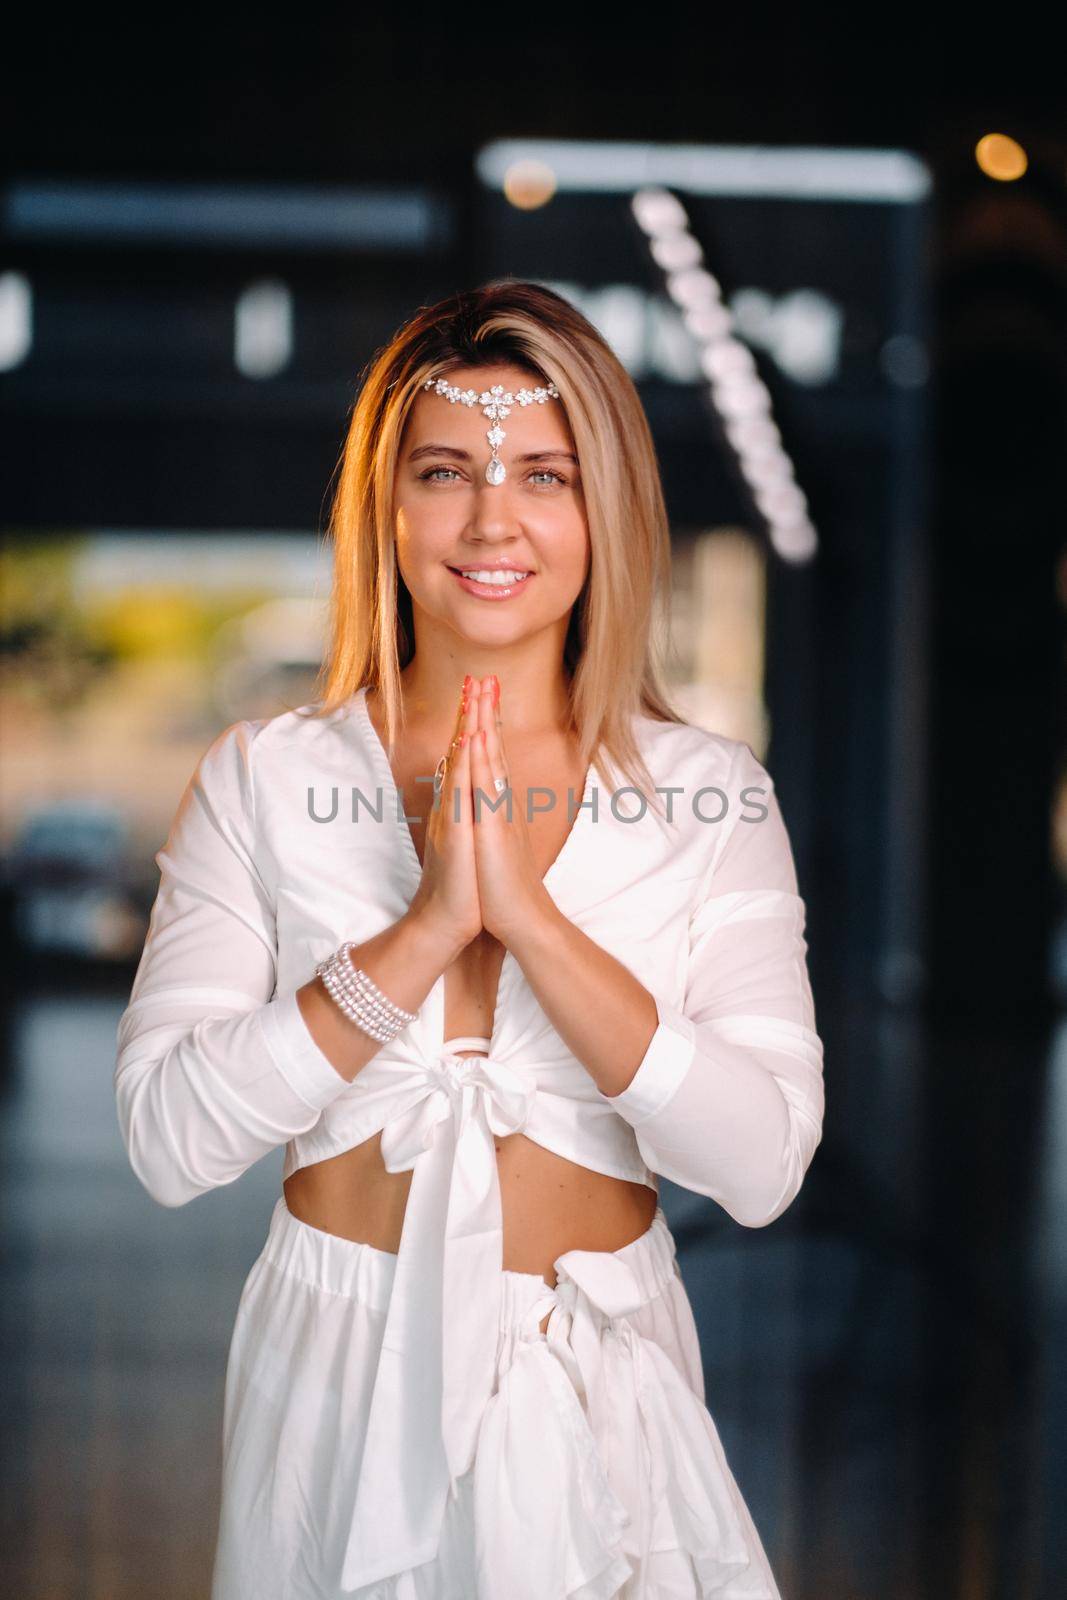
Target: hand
{"points": [[510, 887], [448, 890]]}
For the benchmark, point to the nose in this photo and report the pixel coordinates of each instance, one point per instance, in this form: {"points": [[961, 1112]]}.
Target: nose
{"points": [[494, 518]]}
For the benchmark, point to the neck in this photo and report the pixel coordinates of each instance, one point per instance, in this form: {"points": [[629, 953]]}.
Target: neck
{"points": [[534, 688]]}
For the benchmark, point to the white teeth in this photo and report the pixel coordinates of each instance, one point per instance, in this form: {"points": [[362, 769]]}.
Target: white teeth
{"points": [[500, 579]]}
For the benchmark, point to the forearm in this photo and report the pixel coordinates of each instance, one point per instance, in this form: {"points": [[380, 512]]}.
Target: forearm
{"points": [[730, 1108], [602, 1012], [405, 960], [207, 1081]]}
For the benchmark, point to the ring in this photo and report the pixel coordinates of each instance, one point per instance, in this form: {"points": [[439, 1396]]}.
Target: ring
{"points": [[499, 784]]}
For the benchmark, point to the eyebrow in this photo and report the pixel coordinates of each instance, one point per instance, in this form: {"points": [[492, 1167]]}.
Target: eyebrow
{"points": [[464, 455]]}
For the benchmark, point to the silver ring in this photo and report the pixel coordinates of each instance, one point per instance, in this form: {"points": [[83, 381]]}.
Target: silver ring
{"points": [[500, 784]]}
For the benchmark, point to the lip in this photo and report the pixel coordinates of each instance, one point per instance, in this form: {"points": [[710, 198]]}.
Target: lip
{"points": [[501, 564], [497, 591]]}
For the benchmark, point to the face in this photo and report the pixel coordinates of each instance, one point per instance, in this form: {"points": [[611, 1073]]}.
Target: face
{"points": [[450, 519]]}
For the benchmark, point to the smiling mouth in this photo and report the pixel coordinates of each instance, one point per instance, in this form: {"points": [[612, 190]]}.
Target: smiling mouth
{"points": [[491, 580]]}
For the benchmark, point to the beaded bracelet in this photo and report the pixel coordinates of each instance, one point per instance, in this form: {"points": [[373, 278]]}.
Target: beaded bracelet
{"points": [[358, 996]]}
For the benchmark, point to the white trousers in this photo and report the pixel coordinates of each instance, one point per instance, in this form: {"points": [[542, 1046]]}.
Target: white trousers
{"points": [[599, 1471]]}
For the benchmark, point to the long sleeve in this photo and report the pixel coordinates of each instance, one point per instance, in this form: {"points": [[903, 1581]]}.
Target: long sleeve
{"points": [[212, 1071], [728, 1100]]}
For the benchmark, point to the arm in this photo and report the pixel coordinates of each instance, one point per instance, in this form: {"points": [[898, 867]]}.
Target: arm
{"points": [[211, 1071], [727, 1097]]}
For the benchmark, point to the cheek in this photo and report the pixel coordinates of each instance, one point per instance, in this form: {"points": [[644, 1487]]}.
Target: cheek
{"points": [[572, 552], [420, 542]]}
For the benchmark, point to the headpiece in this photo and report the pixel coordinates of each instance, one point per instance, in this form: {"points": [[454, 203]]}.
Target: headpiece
{"points": [[496, 403]]}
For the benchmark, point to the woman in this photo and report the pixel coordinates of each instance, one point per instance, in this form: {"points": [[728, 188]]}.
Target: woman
{"points": [[481, 1018]]}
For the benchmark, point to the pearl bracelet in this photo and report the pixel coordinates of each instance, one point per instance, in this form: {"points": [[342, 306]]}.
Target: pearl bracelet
{"points": [[356, 994]]}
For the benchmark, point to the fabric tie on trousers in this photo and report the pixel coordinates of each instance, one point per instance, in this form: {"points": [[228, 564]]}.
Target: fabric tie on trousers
{"points": [[439, 1346], [551, 1516]]}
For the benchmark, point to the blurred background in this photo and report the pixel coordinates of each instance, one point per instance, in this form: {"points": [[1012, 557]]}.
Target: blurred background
{"points": [[838, 277]]}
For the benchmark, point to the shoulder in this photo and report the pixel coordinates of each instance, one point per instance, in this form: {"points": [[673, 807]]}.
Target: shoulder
{"points": [[302, 730], [686, 753], [255, 754], [719, 785]]}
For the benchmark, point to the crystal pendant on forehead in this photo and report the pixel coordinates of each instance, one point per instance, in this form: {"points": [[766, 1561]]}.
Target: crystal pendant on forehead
{"points": [[495, 404]]}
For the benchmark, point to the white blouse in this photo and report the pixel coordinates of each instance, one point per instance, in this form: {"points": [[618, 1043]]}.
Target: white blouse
{"points": [[289, 839]]}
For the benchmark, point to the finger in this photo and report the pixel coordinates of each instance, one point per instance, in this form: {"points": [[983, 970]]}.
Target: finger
{"points": [[494, 741], [460, 785], [443, 770], [485, 769], [478, 765], [491, 740]]}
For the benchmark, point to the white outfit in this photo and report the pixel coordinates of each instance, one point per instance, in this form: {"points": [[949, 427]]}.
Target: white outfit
{"points": [[396, 1425]]}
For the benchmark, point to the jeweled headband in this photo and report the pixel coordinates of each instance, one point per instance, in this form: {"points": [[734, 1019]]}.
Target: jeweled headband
{"points": [[496, 404]]}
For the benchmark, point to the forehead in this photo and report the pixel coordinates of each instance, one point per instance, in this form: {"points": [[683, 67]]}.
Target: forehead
{"points": [[435, 413]]}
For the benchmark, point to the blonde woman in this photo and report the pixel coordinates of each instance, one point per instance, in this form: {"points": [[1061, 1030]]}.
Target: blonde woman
{"points": [[488, 938]]}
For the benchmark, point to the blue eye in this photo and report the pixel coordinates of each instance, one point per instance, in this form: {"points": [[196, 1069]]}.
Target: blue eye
{"points": [[538, 472]]}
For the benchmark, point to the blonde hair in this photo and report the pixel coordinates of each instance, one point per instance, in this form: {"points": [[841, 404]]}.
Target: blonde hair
{"points": [[621, 618]]}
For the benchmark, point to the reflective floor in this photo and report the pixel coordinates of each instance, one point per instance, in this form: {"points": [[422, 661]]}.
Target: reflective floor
{"points": [[887, 1363]]}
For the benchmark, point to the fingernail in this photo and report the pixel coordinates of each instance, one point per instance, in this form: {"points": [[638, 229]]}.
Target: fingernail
{"points": [[496, 690]]}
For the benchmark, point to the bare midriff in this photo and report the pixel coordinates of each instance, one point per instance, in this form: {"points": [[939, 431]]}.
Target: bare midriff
{"points": [[549, 1204]]}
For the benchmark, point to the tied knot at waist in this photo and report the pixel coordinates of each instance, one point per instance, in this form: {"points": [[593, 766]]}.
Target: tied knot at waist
{"points": [[599, 1285], [459, 1088], [594, 1293]]}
